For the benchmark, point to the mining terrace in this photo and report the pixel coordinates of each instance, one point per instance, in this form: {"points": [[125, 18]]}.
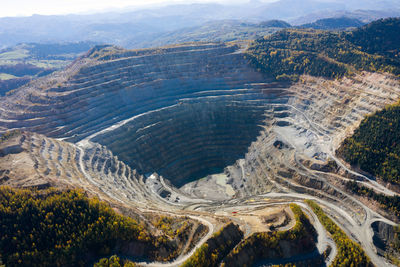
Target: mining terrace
{"points": [[195, 129]]}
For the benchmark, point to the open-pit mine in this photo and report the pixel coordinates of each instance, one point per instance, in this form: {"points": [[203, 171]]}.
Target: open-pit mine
{"points": [[195, 130]]}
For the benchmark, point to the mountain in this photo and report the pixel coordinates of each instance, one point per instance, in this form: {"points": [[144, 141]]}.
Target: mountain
{"points": [[290, 9], [214, 31], [370, 4], [366, 16], [109, 27], [275, 23], [333, 24], [120, 28]]}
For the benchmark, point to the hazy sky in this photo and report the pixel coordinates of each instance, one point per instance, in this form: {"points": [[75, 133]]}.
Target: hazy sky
{"points": [[11, 8]]}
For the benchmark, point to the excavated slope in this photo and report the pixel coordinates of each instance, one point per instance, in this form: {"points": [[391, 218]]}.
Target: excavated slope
{"points": [[141, 127], [187, 111]]}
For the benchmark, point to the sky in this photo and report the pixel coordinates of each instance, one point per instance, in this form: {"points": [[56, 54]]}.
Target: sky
{"points": [[12, 8]]}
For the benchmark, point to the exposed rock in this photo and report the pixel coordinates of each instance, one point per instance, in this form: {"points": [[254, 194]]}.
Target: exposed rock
{"points": [[383, 236]]}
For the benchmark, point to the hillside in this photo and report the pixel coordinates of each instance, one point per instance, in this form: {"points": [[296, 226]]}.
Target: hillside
{"points": [[67, 228], [292, 52], [375, 145], [333, 24], [61, 228], [379, 37], [213, 31]]}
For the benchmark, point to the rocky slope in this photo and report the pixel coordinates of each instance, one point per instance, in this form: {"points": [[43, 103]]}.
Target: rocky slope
{"points": [[134, 126], [187, 111]]}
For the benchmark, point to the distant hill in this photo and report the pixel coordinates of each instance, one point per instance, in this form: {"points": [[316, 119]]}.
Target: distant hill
{"points": [[22, 63], [291, 9], [121, 27], [365, 16], [215, 31], [275, 24], [333, 24]]}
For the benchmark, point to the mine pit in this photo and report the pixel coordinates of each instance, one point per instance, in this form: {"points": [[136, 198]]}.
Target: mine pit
{"points": [[193, 132], [188, 141]]}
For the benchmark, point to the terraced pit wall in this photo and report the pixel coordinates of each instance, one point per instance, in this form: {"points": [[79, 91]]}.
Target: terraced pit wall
{"points": [[191, 110], [184, 112]]}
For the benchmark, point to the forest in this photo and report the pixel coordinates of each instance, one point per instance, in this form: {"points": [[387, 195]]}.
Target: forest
{"points": [[60, 228], [293, 52], [349, 252], [375, 145], [378, 37]]}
